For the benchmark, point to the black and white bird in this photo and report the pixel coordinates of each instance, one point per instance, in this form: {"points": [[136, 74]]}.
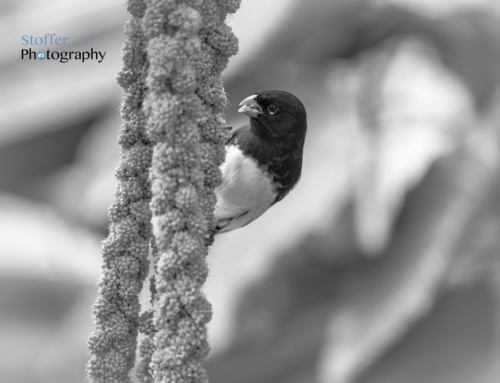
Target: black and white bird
{"points": [[263, 159]]}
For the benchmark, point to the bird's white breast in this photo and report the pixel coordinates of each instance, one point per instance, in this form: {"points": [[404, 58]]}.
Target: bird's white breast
{"points": [[246, 191]]}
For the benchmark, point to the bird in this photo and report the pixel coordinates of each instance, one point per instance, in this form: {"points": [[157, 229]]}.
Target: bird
{"points": [[263, 159]]}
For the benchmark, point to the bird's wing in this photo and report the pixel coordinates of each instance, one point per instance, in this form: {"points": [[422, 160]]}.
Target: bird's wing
{"points": [[245, 194]]}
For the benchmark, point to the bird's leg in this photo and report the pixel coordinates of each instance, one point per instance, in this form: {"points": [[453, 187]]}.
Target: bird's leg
{"points": [[209, 238]]}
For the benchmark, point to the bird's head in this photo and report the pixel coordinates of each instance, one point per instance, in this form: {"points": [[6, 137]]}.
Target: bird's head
{"points": [[276, 115]]}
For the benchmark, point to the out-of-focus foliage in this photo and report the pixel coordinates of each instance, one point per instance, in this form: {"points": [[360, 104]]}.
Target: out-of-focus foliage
{"points": [[382, 265], [422, 96]]}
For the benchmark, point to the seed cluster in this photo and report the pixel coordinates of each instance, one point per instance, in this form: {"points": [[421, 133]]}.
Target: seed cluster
{"points": [[189, 45], [172, 145], [125, 250]]}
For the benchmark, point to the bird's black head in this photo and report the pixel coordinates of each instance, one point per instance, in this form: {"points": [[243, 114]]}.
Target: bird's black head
{"points": [[276, 115]]}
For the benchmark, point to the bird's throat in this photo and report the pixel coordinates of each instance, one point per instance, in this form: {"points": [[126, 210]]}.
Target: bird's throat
{"points": [[261, 130]]}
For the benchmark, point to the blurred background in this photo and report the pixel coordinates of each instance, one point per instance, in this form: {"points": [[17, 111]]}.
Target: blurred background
{"points": [[381, 266]]}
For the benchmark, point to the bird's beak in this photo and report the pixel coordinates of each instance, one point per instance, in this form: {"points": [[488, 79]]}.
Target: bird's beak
{"points": [[250, 107]]}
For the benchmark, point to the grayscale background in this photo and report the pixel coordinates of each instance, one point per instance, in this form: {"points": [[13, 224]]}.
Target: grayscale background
{"points": [[381, 266]]}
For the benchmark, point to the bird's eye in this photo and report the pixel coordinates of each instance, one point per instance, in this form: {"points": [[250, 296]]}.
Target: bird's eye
{"points": [[272, 109]]}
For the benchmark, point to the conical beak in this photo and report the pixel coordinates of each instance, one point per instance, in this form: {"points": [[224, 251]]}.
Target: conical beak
{"points": [[250, 106]]}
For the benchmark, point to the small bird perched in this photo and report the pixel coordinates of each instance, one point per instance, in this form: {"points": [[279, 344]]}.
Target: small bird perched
{"points": [[263, 159]]}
